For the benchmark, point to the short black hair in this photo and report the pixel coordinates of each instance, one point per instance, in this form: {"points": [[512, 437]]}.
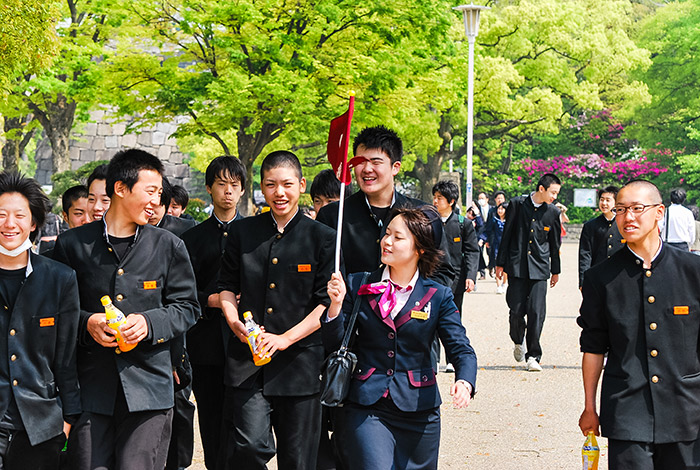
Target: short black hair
{"points": [[497, 193], [695, 210], [547, 180], [99, 173], [125, 167], [381, 138], [325, 184], [223, 167], [678, 195], [280, 158], [180, 195], [39, 204], [608, 190], [167, 195], [656, 197], [71, 195], [448, 189]]}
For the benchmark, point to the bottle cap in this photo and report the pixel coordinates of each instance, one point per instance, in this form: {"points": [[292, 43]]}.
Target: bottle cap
{"points": [[105, 300], [247, 315]]}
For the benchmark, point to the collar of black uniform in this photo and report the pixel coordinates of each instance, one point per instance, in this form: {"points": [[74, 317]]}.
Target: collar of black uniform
{"points": [[221, 224], [105, 235], [290, 225], [658, 257]]}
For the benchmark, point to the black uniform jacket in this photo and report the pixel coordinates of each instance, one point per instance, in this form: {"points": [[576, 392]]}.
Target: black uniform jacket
{"points": [[462, 248], [154, 279], [600, 239], [395, 354], [531, 237], [362, 234], [648, 321], [176, 225], [281, 277], [205, 243], [41, 349]]}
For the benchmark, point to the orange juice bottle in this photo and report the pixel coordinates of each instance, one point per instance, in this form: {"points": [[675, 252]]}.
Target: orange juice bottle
{"points": [[590, 452], [115, 319], [253, 332]]}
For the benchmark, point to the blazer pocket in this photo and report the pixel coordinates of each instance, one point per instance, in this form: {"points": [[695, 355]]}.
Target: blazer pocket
{"points": [[363, 374], [421, 378]]}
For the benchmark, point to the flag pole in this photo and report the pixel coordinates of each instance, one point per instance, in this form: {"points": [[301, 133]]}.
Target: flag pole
{"points": [[345, 174], [339, 228]]}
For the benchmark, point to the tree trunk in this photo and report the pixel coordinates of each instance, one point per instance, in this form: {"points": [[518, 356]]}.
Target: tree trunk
{"points": [[16, 140], [249, 147], [57, 121], [428, 173]]}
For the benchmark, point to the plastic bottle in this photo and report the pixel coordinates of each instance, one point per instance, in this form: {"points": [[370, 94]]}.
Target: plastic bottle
{"points": [[115, 319], [590, 452], [253, 332]]}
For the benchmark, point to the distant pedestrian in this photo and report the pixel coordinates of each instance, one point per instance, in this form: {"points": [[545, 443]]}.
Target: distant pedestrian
{"points": [[695, 247], [529, 252], [492, 236], [678, 226]]}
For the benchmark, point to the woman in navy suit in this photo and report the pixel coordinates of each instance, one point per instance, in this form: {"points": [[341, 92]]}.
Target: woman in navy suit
{"points": [[391, 418]]}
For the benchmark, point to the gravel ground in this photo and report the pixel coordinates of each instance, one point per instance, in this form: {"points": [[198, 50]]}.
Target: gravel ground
{"points": [[519, 420]]}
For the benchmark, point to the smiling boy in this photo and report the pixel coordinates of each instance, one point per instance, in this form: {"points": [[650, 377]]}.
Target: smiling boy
{"points": [[279, 263]]}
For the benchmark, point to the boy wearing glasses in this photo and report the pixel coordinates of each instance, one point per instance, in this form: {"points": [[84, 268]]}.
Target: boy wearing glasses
{"points": [[642, 308]]}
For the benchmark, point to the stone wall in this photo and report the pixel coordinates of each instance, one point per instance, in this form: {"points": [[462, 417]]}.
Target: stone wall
{"points": [[102, 137]]}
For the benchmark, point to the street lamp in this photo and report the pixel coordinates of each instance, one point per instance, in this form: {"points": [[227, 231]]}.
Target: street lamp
{"points": [[471, 29]]}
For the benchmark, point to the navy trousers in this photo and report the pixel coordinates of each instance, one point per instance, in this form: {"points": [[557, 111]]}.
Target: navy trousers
{"points": [[527, 299], [628, 455]]}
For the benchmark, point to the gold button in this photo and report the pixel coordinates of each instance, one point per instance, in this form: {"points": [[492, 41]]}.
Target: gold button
{"points": [[120, 297], [609, 246], [529, 252], [654, 353], [530, 241], [272, 285], [225, 234], [160, 341], [652, 326], [533, 220], [648, 273], [377, 240], [651, 299], [532, 230], [14, 382], [13, 358], [275, 260], [12, 332], [120, 271], [117, 351], [279, 235], [109, 249], [269, 310], [654, 378]]}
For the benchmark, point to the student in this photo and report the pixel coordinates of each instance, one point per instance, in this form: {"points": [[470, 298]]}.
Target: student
{"points": [[127, 398], [462, 244], [492, 236], [225, 182], [492, 218], [179, 201], [279, 263], [366, 212], [39, 392], [75, 202], [98, 200], [160, 219], [391, 418], [600, 238], [641, 308], [325, 189], [678, 227], [529, 251]]}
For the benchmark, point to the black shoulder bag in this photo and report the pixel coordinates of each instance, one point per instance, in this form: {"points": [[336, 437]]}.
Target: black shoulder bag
{"points": [[339, 366]]}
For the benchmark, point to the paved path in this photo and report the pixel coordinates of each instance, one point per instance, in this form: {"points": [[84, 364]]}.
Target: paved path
{"points": [[519, 420]]}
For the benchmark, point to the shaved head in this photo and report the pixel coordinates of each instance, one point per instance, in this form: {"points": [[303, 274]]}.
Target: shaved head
{"points": [[651, 189]]}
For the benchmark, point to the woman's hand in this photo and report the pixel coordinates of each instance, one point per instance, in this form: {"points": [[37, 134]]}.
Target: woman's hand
{"points": [[461, 393], [336, 289]]}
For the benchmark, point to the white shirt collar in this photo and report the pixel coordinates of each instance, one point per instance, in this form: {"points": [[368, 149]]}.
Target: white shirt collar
{"points": [[661, 244], [285, 225], [532, 198]]}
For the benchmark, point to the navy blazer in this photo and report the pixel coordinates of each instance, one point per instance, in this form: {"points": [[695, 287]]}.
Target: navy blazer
{"points": [[395, 354]]}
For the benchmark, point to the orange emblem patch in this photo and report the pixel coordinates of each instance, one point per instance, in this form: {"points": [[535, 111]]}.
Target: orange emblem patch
{"points": [[546, 228], [148, 285], [304, 268], [682, 310], [51, 321], [457, 239]]}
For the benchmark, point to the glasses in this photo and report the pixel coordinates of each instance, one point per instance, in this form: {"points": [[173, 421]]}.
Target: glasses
{"points": [[635, 209]]}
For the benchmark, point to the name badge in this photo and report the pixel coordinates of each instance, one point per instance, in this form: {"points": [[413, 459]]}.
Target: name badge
{"points": [[419, 315], [623, 241], [150, 285], [457, 240], [304, 268], [680, 310], [546, 228], [50, 321]]}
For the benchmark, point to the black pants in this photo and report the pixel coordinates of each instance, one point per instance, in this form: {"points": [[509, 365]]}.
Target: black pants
{"points": [[181, 446], [17, 453], [250, 418], [124, 441], [208, 388], [628, 455], [527, 298]]}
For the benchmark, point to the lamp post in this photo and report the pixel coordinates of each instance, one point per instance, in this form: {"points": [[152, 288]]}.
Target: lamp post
{"points": [[471, 29]]}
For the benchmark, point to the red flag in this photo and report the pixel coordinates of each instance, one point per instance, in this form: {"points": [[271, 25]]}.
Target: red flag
{"points": [[338, 141]]}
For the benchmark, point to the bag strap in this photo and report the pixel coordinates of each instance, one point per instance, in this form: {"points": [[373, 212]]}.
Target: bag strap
{"points": [[667, 224], [351, 323]]}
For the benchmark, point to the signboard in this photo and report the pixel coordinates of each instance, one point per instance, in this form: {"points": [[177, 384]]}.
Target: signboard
{"points": [[585, 197]]}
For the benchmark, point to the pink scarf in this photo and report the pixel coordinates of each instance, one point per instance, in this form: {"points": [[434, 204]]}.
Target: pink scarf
{"points": [[388, 289]]}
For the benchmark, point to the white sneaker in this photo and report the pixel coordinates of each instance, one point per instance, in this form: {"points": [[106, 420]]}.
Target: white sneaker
{"points": [[533, 365], [519, 352]]}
